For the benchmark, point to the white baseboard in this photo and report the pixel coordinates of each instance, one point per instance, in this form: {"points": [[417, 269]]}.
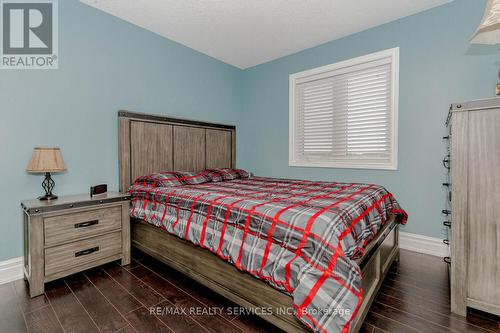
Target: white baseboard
{"points": [[423, 244], [11, 270]]}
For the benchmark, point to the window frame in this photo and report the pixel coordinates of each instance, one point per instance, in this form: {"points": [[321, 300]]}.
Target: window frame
{"points": [[393, 54]]}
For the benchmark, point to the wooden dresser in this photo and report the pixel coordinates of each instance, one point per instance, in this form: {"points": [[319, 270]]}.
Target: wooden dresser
{"points": [[475, 206], [73, 233]]}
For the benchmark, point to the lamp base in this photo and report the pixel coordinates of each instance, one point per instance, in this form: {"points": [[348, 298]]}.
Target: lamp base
{"points": [[48, 197], [48, 185]]}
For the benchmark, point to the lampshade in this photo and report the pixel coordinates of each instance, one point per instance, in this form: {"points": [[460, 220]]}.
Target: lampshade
{"points": [[488, 31], [46, 160]]}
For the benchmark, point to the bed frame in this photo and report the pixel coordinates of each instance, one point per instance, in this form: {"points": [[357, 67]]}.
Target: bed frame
{"points": [[151, 143]]}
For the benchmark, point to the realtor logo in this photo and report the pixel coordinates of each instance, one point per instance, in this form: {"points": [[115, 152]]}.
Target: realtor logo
{"points": [[29, 34]]}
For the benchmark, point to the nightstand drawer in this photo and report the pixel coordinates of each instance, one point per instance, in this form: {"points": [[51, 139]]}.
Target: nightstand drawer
{"points": [[74, 226], [66, 257]]}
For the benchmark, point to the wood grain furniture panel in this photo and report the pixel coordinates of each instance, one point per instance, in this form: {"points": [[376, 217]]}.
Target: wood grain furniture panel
{"points": [[484, 208], [66, 228], [205, 267], [73, 233], [64, 257], [194, 145], [218, 145], [458, 245], [148, 153], [189, 148], [475, 167]]}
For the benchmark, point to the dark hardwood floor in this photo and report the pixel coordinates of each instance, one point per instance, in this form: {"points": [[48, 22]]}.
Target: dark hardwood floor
{"points": [[414, 298]]}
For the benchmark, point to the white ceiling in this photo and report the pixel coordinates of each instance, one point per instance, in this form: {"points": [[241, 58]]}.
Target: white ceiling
{"points": [[246, 33]]}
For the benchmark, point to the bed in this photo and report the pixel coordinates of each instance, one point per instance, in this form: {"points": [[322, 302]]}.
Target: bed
{"points": [[149, 144]]}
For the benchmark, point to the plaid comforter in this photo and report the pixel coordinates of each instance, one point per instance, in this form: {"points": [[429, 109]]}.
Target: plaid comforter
{"points": [[302, 237]]}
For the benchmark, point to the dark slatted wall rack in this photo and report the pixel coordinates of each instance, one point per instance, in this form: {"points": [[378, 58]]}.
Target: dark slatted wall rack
{"points": [[447, 185]]}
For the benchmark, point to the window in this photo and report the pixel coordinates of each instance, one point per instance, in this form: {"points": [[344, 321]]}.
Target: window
{"points": [[345, 115]]}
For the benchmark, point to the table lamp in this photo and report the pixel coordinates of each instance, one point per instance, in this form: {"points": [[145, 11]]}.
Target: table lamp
{"points": [[46, 160], [488, 31]]}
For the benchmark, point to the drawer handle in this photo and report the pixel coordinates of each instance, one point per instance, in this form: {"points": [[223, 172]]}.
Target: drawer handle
{"points": [[86, 252], [446, 162], [86, 224]]}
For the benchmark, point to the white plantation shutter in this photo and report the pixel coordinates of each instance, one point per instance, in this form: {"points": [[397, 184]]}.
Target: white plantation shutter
{"points": [[344, 115]]}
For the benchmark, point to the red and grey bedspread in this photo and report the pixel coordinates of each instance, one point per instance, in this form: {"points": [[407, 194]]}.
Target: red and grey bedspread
{"points": [[300, 236]]}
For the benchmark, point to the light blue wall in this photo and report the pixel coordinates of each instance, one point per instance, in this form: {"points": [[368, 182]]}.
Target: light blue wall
{"points": [[105, 65], [438, 66]]}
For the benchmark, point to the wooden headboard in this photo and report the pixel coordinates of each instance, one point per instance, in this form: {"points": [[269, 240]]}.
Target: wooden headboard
{"points": [[151, 143]]}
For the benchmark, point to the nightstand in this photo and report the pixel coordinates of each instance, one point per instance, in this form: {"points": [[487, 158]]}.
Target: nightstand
{"points": [[73, 233]]}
